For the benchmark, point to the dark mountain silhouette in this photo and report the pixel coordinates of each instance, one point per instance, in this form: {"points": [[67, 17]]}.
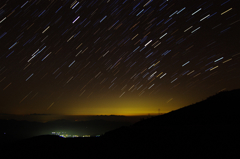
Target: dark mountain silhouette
{"points": [[207, 129], [220, 109]]}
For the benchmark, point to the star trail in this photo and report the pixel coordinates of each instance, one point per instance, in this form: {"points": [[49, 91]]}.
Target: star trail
{"points": [[120, 57]]}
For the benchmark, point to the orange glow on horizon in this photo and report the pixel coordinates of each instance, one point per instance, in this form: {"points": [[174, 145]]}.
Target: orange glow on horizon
{"points": [[120, 107]]}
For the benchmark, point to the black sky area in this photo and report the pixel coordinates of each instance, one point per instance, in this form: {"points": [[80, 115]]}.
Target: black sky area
{"points": [[120, 57]]}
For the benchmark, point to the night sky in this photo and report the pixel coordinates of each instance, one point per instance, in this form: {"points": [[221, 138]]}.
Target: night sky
{"points": [[121, 57]]}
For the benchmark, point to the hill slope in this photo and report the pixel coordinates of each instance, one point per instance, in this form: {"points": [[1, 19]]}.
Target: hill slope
{"points": [[219, 109], [209, 128]]}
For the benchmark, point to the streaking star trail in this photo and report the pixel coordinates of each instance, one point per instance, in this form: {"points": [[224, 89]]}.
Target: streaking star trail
{"points": [[116, 57]]}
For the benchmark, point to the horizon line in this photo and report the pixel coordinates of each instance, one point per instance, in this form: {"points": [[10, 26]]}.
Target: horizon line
{"points": [[36, 114]]}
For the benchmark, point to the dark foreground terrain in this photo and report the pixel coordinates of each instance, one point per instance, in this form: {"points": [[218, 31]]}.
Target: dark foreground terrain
{"points": [[207, 129]]}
